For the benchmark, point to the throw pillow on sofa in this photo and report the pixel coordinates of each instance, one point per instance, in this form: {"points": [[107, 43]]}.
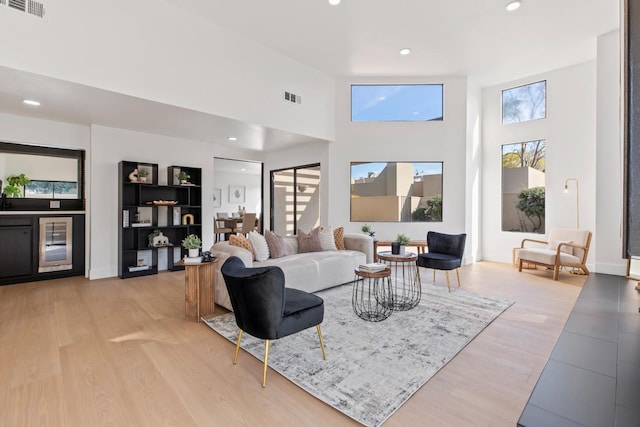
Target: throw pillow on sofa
{"points": [[327, 241], [243, 242], [277, 247], [260, 247], [338, 237], [309, 242]]}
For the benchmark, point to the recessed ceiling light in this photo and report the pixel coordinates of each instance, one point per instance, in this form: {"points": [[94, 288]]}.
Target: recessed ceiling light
{"points": [[31, 102], [334, 2], [405, 51], [511, 6], [232, 138]]}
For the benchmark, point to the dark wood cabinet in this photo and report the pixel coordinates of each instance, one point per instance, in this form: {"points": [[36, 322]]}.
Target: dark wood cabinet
{"points": [[147, 209], [16, 252]]}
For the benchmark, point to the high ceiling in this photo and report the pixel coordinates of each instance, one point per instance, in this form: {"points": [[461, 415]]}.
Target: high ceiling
{"points": [[476, 38]]}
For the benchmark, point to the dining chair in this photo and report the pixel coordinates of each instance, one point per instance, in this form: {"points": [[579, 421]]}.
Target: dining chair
{"points": [[248, 224], [220, 229]]}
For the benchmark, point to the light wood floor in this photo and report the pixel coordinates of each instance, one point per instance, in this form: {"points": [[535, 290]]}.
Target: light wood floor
{"points": [[117, 352]]}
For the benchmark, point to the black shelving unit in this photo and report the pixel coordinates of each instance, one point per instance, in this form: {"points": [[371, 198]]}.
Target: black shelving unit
{"points": [[144, 207]]}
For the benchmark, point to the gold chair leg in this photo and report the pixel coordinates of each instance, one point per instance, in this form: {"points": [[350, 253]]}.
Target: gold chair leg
{"points": [[446, 273], [458, 274], [235, 356], [324, 355], [266, 362]]}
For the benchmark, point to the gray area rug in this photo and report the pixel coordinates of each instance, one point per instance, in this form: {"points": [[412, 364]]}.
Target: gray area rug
{"points": [[373, 368]]}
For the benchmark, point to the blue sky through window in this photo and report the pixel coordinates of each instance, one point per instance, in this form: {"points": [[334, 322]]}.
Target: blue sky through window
{"points": [[423, 168], [385, 103]]}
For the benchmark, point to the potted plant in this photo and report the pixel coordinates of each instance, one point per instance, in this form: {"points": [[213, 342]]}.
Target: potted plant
{"points": [[16, 185], [398, 247], [143, 174], [183, 177], [193, 244], [367, 229]]}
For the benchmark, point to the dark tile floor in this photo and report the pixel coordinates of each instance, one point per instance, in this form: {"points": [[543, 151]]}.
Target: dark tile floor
{"points": [[593, 375]]}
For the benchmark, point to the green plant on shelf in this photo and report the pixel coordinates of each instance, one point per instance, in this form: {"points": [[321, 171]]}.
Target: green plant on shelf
{"points": [[142, 173], [183, 176], [16, 185], [192, 241]]}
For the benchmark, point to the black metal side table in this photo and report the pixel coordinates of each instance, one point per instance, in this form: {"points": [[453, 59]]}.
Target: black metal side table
{"points": [[405, 280], [371, 295]]}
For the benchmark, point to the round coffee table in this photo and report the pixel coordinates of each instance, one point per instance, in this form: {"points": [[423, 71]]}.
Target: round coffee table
{"points": [[406, 290], [371, 293]]}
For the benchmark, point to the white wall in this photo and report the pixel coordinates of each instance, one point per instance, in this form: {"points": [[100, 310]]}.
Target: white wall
{"points": [[569, 131], [108, 147], [167, 54], [444, 141], [609, 159], [253, 193]]}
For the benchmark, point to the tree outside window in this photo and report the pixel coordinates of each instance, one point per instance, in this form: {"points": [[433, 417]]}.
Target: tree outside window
{"points": [[523, 187], [524, 103]]}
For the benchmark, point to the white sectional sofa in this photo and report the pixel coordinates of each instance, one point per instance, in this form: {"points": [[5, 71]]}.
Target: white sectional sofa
{"points": [[309, 271]]}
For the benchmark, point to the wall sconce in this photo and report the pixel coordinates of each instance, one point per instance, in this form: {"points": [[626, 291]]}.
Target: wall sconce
{"points": [[566, 190]]}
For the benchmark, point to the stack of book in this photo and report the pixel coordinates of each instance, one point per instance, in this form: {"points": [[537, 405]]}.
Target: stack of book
{"points": [[372, 267]]}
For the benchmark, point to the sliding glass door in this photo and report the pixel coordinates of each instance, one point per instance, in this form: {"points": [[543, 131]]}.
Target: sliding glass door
{"points": [[295, 199]]}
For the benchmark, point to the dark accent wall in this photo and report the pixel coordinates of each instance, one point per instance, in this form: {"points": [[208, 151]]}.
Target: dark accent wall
{"points": [[632, 143]]}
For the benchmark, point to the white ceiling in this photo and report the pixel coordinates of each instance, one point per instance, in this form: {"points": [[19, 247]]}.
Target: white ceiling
{"points": [[476, 38]]}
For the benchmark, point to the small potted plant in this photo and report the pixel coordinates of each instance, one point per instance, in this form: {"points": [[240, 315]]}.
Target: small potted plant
{"points": [[193, 244], [398, 247], [16, 185], [366, 228], [183, 177], [143, 174]]}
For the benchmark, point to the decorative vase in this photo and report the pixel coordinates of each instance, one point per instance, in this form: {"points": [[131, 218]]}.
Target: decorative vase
{"points": [[402, 248], [193, 253], [143, 179], [395, 248]]}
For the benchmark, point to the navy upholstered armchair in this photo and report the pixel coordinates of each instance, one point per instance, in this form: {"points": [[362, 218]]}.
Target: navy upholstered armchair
{"points": [[445, 253], [266, 309]]}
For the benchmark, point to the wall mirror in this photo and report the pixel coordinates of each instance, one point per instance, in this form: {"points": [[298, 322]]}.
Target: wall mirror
{"points": [[51, 173], [523, 187], [396, 191], [237, 187]]}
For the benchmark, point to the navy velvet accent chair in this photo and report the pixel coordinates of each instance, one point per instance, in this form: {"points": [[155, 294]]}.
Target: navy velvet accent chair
{"points": [[266, 309], [445, 253]]}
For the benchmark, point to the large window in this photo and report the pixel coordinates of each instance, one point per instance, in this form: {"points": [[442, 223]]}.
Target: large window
{"points": [[396, 191], [524, 103], [396, 103], [295, 199], [523, 187]]}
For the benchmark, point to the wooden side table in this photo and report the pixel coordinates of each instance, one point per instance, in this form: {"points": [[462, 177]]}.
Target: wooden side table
{"points": [[199, 289]]}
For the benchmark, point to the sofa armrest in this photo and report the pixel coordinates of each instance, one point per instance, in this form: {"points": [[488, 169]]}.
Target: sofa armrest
{"points": [[223, 250], [359, 242]]}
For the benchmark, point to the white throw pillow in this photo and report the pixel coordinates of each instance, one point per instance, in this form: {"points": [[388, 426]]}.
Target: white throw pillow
{"points": [[260, 247], [327, 241], [553, 245]]}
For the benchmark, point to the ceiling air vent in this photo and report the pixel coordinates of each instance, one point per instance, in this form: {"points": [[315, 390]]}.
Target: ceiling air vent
{"points": [[29, 6], [36, 8], [18, 4]]}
